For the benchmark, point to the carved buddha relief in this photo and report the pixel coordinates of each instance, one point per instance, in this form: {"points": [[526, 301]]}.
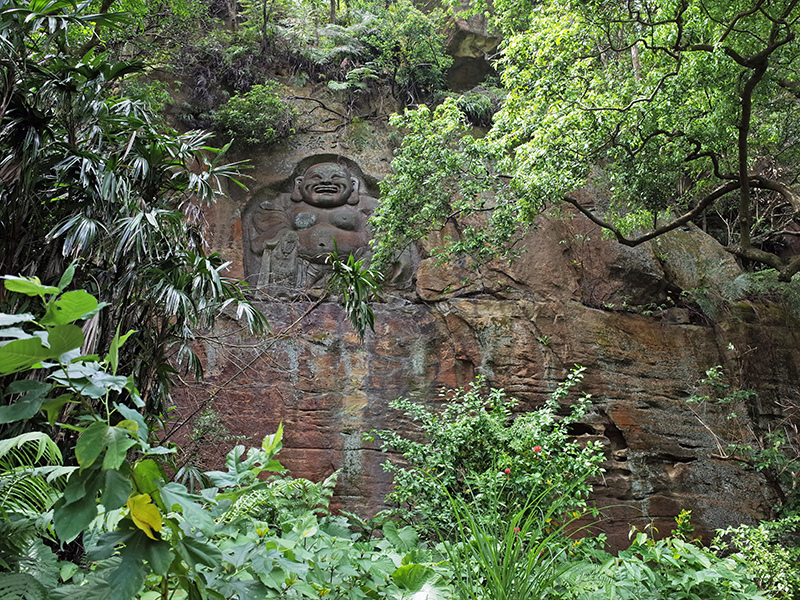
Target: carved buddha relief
{"points": [[289, 236]]}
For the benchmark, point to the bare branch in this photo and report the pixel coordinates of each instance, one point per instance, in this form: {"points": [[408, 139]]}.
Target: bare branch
{"points": [[634, 101], [321, 104], [679, 222], [790, 195]]}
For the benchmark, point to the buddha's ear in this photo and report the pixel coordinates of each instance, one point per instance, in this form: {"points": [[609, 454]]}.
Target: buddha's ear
{"points": [[355, 195], [296, 195]]}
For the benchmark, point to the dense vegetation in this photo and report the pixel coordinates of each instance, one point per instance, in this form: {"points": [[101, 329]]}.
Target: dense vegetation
{"points": [[107, 277], [496, 527], [683, 111]]}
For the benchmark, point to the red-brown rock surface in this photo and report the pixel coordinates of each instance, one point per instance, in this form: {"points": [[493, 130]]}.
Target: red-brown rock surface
{"points": [[568, 299]]}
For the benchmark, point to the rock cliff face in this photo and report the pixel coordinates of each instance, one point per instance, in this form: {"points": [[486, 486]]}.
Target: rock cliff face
{"points": [[566, 300]]}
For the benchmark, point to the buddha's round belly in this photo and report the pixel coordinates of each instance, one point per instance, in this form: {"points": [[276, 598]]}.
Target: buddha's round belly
{"points": [[318, 241]]}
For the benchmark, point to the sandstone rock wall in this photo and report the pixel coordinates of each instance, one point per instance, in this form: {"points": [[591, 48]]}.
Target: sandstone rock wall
{"points": [[568, 299]]}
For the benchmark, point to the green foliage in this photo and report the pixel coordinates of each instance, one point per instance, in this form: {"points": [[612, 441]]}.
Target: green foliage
{"points": [[684, 105], [31, 475], [395, 45], [21, 586], [259, 116], [329, 47], [652, 569], [89, 175], [766, 286], [656, 100], [747, 292], [441, 175], [476, 450], [480, 104], [768, 553], [410, 48], [153, 93], [155, 31], [355, 285], [517, 559], [772, 451], [356, 80], [719, 298], [284, 498], [312, 557]]}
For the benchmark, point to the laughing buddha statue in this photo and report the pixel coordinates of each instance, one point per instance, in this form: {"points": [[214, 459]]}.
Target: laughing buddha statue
{"points": [[295, 233]]}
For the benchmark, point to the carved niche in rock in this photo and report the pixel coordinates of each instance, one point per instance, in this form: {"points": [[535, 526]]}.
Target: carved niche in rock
{"points": [[288, 235]]}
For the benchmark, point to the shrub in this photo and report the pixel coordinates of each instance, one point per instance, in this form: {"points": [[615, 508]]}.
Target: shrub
{"points": [[259, 116], [476, 449], [767, 553], [410, 48], [480, 104], [651, 569], [517, 559]]}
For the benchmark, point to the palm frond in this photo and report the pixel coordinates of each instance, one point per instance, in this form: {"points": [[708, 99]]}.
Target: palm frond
{"points": [[30, 474], [28, 449]]}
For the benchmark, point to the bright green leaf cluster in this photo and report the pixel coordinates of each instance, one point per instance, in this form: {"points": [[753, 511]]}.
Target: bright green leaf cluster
{"points": [[477, 450]]}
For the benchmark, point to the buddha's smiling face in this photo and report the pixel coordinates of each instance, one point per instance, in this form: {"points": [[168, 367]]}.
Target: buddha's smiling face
{"points": [[326, 185]]}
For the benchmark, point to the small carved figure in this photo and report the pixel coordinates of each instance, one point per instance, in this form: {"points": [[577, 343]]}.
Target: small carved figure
{"points": [[294, 233]]}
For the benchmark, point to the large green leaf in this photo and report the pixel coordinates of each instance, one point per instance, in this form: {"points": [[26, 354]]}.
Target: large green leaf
{"points": [[158, 555], [271, 444], [6, 319], [147, 474], [412, 577], [67, 276], [403, 539], [64, 338], [127, 579], [70, 520], [100, 436], [30, 286], [138, 546], [70, 307], [54, 406], [89, 378], [29, 404], [176, 495], [198, 552], [135, 416], [107, 543], [305, 589], [112, 358], [91, 589], [116, 490], [19, 355]]}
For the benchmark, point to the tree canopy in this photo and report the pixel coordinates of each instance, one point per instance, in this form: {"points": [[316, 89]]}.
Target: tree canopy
{"points": [[679, 108], [92, 176]]}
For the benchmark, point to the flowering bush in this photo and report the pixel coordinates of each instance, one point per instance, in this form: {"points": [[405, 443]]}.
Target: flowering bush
{"points": [[477, 449]]}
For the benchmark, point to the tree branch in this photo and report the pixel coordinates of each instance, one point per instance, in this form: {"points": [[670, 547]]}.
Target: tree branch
{"points": [[680, 221], [790, 195]]}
